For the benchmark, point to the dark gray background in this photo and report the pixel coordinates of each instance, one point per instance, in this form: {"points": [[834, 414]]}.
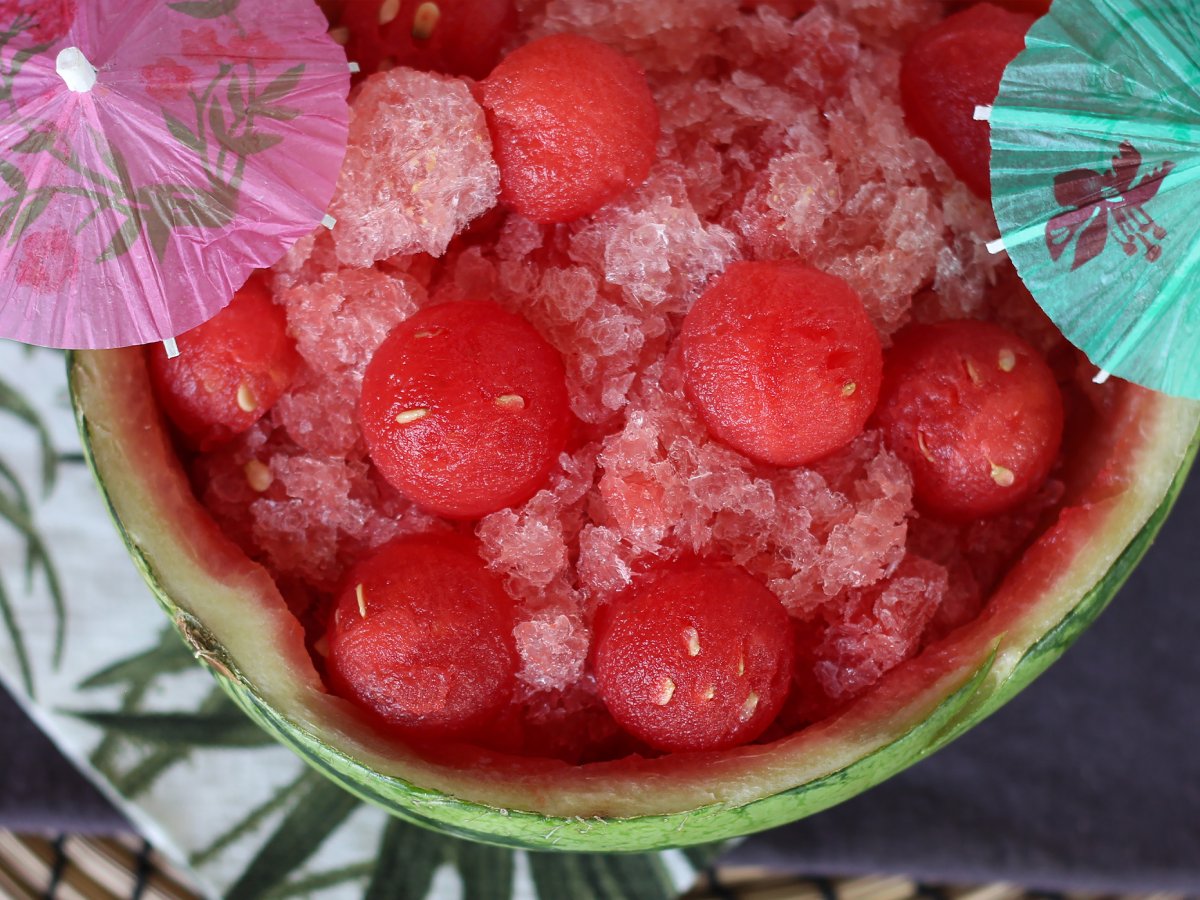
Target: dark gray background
{"points": [[1090, 779]]}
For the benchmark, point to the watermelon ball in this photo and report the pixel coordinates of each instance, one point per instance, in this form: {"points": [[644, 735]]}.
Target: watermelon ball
{"points": [[1033, 7], [697, 658], [455, 37], [782, 361], [421, 636], [948, 71], [230, 370], [464, 409], [976, 414], [573, 126]]}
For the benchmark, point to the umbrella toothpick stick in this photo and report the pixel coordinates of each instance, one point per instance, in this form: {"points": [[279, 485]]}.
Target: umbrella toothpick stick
{"points": [[76, 70], [984, 114]]}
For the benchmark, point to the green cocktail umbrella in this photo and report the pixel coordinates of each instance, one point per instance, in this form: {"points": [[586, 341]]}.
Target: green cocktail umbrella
{"points": [[1095, 163]]}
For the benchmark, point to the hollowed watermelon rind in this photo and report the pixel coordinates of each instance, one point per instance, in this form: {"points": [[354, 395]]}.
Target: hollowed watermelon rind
{"points": [[1055, 642], [229, 611], [534, 831]]}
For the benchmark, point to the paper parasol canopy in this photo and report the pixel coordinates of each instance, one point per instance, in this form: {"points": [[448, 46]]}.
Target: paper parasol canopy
{"points": [[153, 155], [1095, 157]]}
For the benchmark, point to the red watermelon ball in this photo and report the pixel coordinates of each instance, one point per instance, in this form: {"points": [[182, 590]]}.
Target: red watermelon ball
{"points": [[573, 126]]}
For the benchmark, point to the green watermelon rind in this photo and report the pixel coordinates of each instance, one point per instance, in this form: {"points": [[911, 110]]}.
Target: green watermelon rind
{"points": [[922, 724], [538, 832], [1039, 657]]}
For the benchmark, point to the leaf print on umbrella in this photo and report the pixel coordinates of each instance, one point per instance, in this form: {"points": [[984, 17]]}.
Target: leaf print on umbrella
{"points": [[11, 66], [1099, 201], [224, 137]]}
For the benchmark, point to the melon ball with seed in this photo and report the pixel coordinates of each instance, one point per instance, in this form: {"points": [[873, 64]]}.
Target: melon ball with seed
{"points": [[421, 637], [697, 658], [457, 37], [976, 414], [230, 370], [573, 125], [782, 361], [464, 409]]}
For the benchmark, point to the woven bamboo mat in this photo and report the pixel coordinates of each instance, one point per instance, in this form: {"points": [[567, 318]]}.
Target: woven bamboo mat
{"points": [[68, 867]]}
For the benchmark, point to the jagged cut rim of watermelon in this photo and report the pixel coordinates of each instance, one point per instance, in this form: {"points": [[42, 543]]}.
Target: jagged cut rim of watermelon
{"points": [[231, 612]]}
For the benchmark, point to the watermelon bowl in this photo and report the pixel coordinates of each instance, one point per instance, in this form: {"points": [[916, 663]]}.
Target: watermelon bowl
{"points": [[1125, 463], [231, 614]]}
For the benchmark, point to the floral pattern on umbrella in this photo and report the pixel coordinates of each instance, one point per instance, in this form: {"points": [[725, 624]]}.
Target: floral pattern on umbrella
{"points": [[205, 148], [1099, 202]]}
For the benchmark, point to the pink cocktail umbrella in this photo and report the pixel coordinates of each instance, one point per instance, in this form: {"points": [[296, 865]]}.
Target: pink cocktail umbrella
{"points": [[153, 155]]}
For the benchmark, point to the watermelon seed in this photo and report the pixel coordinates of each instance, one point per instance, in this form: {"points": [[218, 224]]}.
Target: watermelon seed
{"points": [[246, 400], [388, 10], [429, 333], [691, 637], [411, 415], [1008, 360], [972, 372], [361, 597], [923, 446], [849, 388], [666, 692], [425, 20], [321, 646], [510, 401], [258, 475], [1002, 476], [741, 665], [709, 692], [749, 707]]}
